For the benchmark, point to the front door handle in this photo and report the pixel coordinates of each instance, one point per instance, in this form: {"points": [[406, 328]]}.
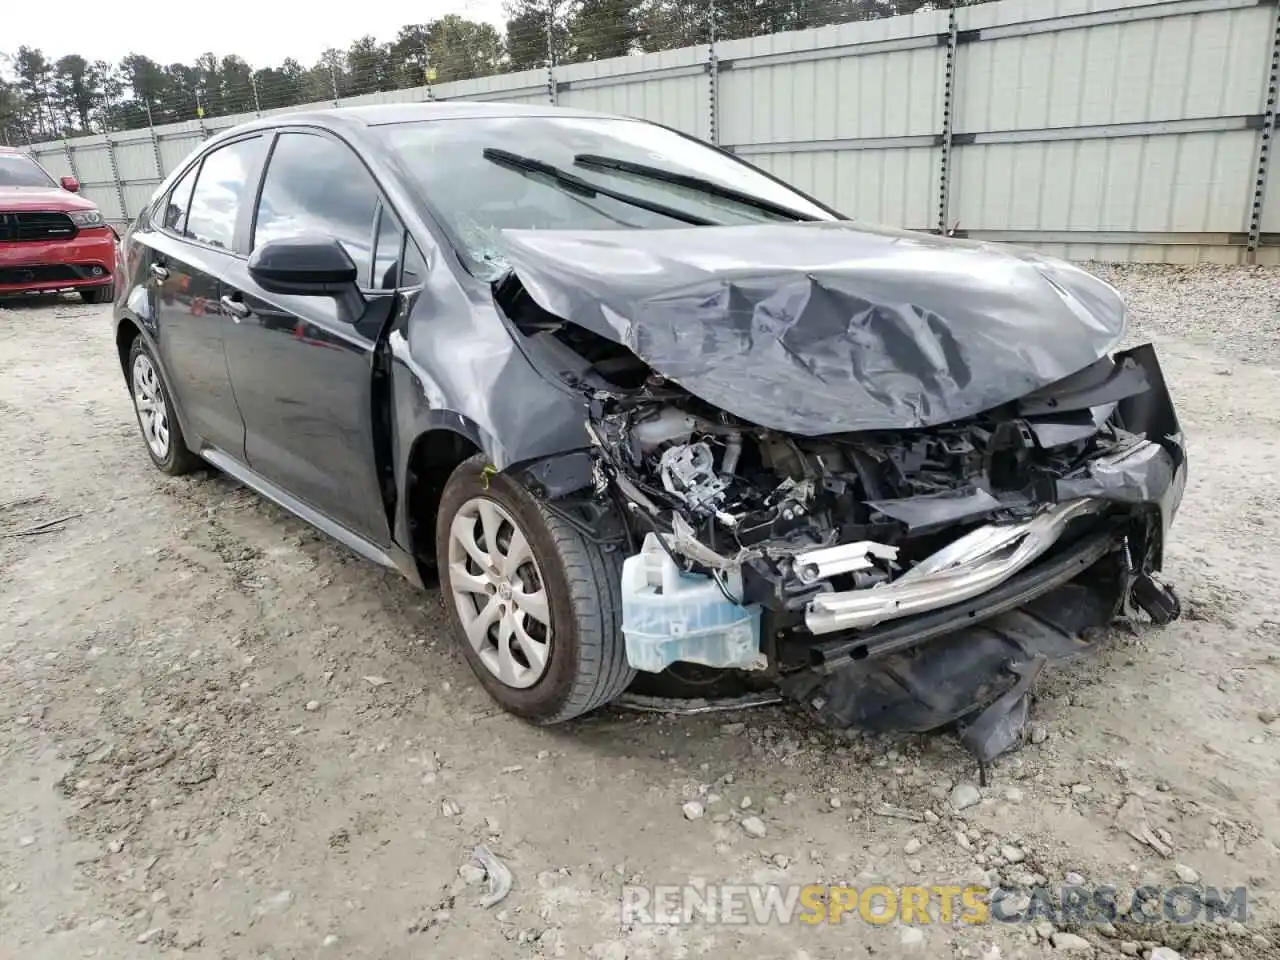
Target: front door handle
{"points": [[237, 309], [159, 272]]}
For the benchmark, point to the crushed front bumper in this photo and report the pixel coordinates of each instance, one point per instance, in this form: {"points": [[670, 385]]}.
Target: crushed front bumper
{"points": [[961, 636]]}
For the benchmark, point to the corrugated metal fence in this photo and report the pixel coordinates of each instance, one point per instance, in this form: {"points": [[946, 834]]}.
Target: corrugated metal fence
{"points": [[1105, 129]]}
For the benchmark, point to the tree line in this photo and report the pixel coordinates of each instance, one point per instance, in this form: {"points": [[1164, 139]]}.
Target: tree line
{"points": [[43, 98]]}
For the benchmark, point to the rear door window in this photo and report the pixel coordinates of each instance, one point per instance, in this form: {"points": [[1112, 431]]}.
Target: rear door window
{"points": [[226, 180]]}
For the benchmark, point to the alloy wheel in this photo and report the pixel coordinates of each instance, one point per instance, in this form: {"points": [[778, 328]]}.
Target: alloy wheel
{"points": [[148, 398], [500, 593]]}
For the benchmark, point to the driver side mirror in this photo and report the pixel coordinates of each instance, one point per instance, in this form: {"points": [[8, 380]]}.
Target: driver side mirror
{"points": [[309, 267], [70, 184]]}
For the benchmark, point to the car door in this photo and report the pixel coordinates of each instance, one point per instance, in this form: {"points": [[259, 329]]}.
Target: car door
{"points": [[199, 232], [303, 373]]}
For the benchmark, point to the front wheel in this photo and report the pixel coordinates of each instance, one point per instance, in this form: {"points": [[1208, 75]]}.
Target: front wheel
{"points": [[536, 605]]}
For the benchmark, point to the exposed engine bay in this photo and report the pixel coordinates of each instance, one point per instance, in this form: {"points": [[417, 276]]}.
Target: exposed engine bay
{"points": [[836, 536], [805, 520]]}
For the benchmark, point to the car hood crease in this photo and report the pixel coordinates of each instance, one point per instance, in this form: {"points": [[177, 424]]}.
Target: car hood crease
{"points": [[820, 328]]}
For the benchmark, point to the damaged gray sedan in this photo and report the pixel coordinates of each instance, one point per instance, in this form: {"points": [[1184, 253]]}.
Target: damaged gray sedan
{"points": [[643, 407]]}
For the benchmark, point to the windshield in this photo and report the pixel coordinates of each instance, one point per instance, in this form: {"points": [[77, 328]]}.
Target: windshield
{"points": [[19, 170], [477, 198]]}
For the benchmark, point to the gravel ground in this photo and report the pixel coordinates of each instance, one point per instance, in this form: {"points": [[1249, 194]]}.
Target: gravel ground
{"points": [[1234, 311], [222, 735]]}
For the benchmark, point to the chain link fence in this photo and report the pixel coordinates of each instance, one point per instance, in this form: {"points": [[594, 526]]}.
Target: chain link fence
{"points": [[43, 98]]}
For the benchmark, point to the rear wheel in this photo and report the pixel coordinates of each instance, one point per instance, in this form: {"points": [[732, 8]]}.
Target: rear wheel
{"points": [[151, 402], [99, 294], [535, 604]]}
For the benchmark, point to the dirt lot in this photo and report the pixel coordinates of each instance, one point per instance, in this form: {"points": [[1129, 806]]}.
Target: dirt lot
{"points": [[222, 735]]}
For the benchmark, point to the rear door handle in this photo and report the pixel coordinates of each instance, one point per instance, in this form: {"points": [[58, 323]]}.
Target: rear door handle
{"points": [[237, 309], [159, 272]]}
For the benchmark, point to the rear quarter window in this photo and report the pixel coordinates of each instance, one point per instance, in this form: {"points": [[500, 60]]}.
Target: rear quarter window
{"points": [[172, 212]]}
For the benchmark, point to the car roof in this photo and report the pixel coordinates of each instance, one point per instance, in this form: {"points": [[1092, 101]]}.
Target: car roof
{"points": [[356, 120], [376, 115]]}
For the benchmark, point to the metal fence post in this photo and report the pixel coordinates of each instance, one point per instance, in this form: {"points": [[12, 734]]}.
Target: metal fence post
{"points": [[948, 110], [115, 176], [713, 75], [204, 131], [155, 143], [552, 93], [70, 155], [428, 72], [1265, 137]]}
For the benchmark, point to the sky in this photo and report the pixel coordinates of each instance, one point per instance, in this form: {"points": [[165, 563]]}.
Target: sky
{"points": [[263, 32]]}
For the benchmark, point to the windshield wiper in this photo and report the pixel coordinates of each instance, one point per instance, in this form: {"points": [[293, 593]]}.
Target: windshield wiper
{"points": [[689, 181], [573, 184]]}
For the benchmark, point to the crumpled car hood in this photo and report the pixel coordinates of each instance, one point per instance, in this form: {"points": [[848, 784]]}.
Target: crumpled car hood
{"points": [[820, 328]]}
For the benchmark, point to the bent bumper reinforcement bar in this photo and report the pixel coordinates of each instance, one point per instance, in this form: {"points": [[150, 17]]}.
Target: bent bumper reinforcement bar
{"points": [[975, 563], [1025, 586]]}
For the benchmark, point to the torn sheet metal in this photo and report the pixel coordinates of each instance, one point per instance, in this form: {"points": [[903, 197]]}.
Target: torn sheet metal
{"points": [[1107, 381], [1051, 434], [933, 511], [823, 328], [1142, 474], [826, 562]]}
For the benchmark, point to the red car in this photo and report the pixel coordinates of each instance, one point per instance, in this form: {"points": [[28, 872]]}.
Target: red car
{"points": [[50, 239]]}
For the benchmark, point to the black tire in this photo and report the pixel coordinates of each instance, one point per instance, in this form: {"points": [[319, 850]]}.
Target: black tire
{"points": [[587, 664], [99, 294], [179, 459]]}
